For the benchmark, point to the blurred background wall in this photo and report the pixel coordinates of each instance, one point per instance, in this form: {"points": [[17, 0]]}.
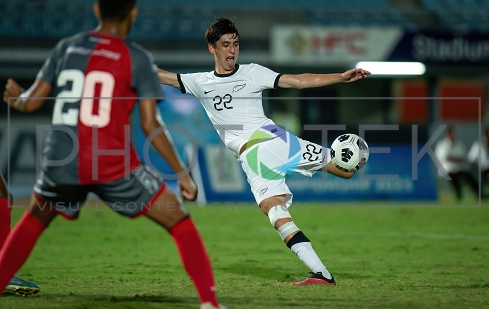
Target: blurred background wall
{"points": [[450, 37]]}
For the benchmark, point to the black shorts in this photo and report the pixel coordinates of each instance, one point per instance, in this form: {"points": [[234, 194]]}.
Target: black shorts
{"points": [[131, 198]]}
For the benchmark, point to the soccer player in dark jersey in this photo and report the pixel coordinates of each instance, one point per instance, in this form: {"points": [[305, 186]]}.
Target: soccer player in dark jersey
{"points": [[89, 150], [16, 284]]}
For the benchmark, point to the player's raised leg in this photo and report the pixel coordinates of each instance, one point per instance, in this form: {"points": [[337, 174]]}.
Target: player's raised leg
{"points": [[16, 284], [276, 210], [20, 243], [167, 210]]}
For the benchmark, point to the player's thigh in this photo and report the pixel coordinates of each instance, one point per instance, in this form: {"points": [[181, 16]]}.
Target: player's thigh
{"points": [[267, 187], [167, 210], [65, 200], [44, 214], [144, 193]]}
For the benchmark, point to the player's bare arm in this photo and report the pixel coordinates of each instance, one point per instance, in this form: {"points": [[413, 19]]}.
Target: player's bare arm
{"points": [[26, 101], [168, 78], [160, 142], [301, 81], [332, 169]]}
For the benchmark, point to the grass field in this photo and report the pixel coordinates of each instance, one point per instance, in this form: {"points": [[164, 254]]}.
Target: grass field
{"points": [[381, 258]]}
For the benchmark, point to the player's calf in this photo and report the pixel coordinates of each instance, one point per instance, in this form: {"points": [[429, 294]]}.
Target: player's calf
{"points": [[168, 211], [297, 242]]}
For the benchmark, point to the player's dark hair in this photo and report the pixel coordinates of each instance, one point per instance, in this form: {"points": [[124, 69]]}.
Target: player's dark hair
{"points": [[115, 10], [218, 28]]}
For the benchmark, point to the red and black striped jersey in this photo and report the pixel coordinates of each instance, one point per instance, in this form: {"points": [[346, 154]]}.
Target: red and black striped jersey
{"points": [[96, 82]]}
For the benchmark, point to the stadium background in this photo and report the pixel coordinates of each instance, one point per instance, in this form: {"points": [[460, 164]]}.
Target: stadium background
{"points": [[389, 243], [450, 37]]}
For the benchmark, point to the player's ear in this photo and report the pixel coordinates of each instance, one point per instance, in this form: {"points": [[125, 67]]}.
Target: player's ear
{"points": [[134, 14], [212, 48], [96, 10]]}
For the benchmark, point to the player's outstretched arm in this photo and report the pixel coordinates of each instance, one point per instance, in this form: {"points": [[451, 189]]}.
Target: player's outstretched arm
{"points": [[301, 81], [168, 78], [164, 147], [26, 101], [331, 169]]}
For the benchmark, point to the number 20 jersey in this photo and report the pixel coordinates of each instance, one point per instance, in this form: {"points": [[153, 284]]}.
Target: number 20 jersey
{"points": [[233, 101], [96, 80]]}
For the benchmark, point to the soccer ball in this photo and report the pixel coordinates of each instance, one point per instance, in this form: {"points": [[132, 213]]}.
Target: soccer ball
{"points": [[349, 152]]}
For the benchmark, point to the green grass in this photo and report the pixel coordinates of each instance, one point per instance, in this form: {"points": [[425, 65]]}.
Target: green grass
{"points": [[381, 258]]}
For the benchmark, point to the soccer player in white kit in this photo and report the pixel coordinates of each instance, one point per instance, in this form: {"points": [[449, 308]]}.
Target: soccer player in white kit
{"points": [[232, 98]]}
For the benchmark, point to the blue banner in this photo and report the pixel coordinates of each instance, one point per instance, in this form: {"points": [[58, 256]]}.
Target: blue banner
{"points": [[435, 47], [231, 185]]}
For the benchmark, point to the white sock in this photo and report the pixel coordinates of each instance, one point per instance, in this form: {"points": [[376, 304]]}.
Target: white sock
{"points": [[306, 253]]}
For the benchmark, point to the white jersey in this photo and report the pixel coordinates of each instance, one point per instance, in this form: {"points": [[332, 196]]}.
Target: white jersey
{"points": [[473, 155], [445, 149], [233, 101]]}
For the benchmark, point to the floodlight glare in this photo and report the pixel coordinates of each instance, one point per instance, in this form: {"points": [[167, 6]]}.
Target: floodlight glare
{"points": [[392, 68]]}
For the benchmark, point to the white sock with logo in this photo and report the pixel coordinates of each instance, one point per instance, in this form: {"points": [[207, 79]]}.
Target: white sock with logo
{"points": [[306, 254]]}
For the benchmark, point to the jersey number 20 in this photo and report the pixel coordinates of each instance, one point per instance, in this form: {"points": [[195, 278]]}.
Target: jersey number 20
{"points": [[83, 87]]}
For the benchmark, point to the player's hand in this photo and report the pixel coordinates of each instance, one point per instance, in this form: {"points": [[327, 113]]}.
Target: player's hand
{"points": [[12, 90], [354, 75], [188, 188]]}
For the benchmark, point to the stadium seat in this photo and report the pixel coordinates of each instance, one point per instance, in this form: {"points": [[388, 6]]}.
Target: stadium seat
{"points": [[172, 21]]}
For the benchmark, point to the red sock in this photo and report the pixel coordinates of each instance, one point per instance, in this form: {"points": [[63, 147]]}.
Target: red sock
{"points": [[5, 210], [195, 259], [18, 246]]}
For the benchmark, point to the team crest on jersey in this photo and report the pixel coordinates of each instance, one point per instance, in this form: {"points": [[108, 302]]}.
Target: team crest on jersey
{"points": [[238, 87]]}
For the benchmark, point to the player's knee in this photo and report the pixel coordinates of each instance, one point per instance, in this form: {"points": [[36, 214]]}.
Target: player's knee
{"points": [[272, 202], [281, 219], [168, 212], [278, 212], [281, 222], [174, 221], [43, 214]]}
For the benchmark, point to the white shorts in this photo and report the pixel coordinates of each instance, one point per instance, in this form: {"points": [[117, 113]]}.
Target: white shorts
{"points": [[267, 163]]}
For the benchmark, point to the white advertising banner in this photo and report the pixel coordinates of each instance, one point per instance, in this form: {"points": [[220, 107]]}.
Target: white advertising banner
{"points": [[301, 45]]}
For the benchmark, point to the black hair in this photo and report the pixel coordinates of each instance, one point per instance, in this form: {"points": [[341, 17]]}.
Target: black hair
{"points": [[115, 10], [218, 28]]}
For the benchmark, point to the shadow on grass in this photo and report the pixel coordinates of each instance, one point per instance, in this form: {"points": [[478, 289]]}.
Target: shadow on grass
{"points": [[80, 299], [251, 269]]}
